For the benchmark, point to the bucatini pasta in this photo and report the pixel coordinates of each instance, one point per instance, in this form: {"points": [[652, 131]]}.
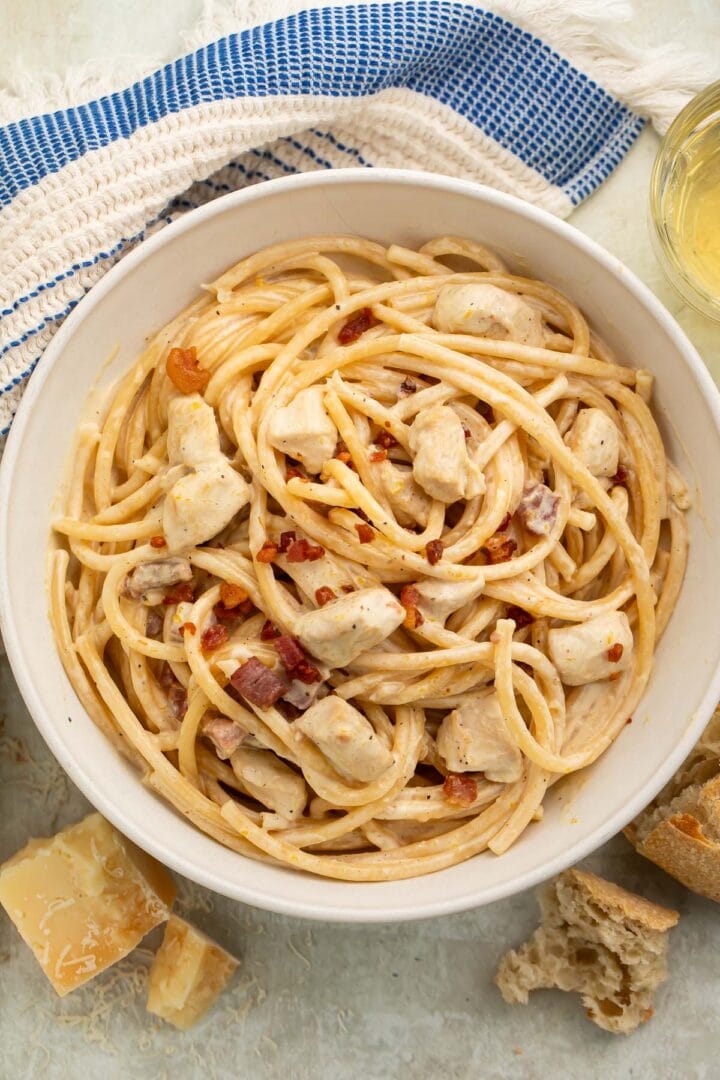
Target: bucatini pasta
{"points": [[369, 548]]}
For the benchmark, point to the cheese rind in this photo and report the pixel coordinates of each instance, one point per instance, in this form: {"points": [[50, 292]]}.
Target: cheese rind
{"points": [[188, 974], [83, 899]]}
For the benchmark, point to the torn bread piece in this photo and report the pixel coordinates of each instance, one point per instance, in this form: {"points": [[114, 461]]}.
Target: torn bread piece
{"points": [[598, 940], [187, 975], [680, 829]]}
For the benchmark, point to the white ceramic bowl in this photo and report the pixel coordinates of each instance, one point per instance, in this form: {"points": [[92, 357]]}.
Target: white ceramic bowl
{"points": [[157, 280]]}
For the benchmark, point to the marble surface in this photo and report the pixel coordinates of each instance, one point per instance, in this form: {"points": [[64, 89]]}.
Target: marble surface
{"points": [[325, 1001]]}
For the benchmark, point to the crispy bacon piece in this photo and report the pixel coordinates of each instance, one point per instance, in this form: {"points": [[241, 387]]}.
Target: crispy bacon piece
{"points": [[181, 594], [386, 440], [378, 455], [356, 326], [257, 683], [502, 527], [615, 653], [158, 542], [409, 598], [303, 551], [459, 790], [324, 595], [295, 661], [347, 588], [267, 553], [269, 632], [224, 614], [499, 549], [177, 701], [621, 476], [538, 508], [434, 551], [286, 539], [188, 628], [520, 617], [407, 386], [213, 637], [232, 596], [365, 534], [185, 372]]}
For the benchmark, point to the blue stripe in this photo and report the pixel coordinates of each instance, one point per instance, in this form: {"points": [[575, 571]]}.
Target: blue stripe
{"points": [[509, 84]]}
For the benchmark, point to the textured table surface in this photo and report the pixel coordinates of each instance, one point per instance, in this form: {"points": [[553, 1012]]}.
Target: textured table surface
{"points": [[326, 1001]]}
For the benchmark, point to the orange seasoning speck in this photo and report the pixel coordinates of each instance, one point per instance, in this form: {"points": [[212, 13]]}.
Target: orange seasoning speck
{"points": [[232, 595]]}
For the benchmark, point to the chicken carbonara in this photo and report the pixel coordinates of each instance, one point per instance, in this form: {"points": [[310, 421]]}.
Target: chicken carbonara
{"points": [[369, 548]]}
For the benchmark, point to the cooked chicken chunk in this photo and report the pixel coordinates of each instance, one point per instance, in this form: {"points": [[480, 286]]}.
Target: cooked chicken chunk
{"points": [[591, 650], [438, 599], [596, 441], [198, 506], [193, 438], [304, 430], [343, 629], [270, 781], [149, 580], [475, 738], [441, 463], [346, 738], [409, 502], [312, 575], [489, 312]]}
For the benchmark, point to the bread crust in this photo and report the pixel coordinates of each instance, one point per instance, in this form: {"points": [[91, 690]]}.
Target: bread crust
{"points": [[621, 905]]}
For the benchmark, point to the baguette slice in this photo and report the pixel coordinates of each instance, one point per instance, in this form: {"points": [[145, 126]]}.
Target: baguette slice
{"points": [[680, 829], [598, 940]]}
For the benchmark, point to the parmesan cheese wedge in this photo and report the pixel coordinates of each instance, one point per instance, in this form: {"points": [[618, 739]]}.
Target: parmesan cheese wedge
{"points": [[83, 899], [188, 974]]}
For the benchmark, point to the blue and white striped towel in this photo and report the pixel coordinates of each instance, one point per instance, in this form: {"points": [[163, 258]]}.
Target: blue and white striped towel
{"points": [[433, 84]]}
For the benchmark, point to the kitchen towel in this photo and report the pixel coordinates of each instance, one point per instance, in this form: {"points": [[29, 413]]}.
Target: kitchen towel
{"points": [[539, 98]]}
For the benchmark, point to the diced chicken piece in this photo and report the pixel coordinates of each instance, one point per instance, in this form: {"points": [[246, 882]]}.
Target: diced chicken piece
{"points": [[591, 650], [149, 580], [312, 575], [226, 735], [475, 738], [538, 508], [408, 501], [343, 629], [438, 599], [489, 312], [270, 781], [303, 429], [441, 463], [346, 738], [193, 438], [596, 441], [200, 505]]}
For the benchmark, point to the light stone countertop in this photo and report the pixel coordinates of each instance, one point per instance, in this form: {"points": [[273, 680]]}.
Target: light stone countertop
{"points": [[328, 1002]]}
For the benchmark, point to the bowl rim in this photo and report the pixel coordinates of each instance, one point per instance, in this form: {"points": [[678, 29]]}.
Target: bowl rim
{"points": [[42, 715]]}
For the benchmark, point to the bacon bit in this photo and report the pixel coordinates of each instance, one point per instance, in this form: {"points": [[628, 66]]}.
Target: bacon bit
{"points": [[538, 508], [295, 661], [324, 595], [158, 542], [378, 455], [498, 550], [177, 701], [292, 472], [615, 653], [181, 594], [520, 617], [267, 553], [621, 476], [303, 551], [413, 618], [213, 637], [232, 595], [504, 523], [365, 534], [286, 539], [257, 683], [225, 614], [185, 372], [629, 720], [466, 431], [459, 790], [269, 632], [386, 440], [356, 326], [347, 588], [344, 456], [315, 552], [408, 386], [409, 598], [434, 551], [188, 628]]}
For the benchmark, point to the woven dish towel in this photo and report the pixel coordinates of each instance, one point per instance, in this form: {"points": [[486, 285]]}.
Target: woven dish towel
{"points": [[530, 96]]}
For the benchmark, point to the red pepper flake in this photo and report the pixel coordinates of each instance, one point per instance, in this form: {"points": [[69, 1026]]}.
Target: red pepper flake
{"points": [[188, 628], [185, 372], [356, 326], [499, 550], [181, 594], [459, 790], [267, 553], [213, 637], [386, 440], [409, 598], [286, 539], [621, 476], [378, 455], [158, 542], [324, 595], [434, 551], [269, 632], [232, 595], [520, 617], [365, 534], [615, 653], [504, 523], [407, 386]]}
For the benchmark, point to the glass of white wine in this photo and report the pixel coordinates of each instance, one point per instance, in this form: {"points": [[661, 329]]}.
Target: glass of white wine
{"points": [[685, 202]]}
